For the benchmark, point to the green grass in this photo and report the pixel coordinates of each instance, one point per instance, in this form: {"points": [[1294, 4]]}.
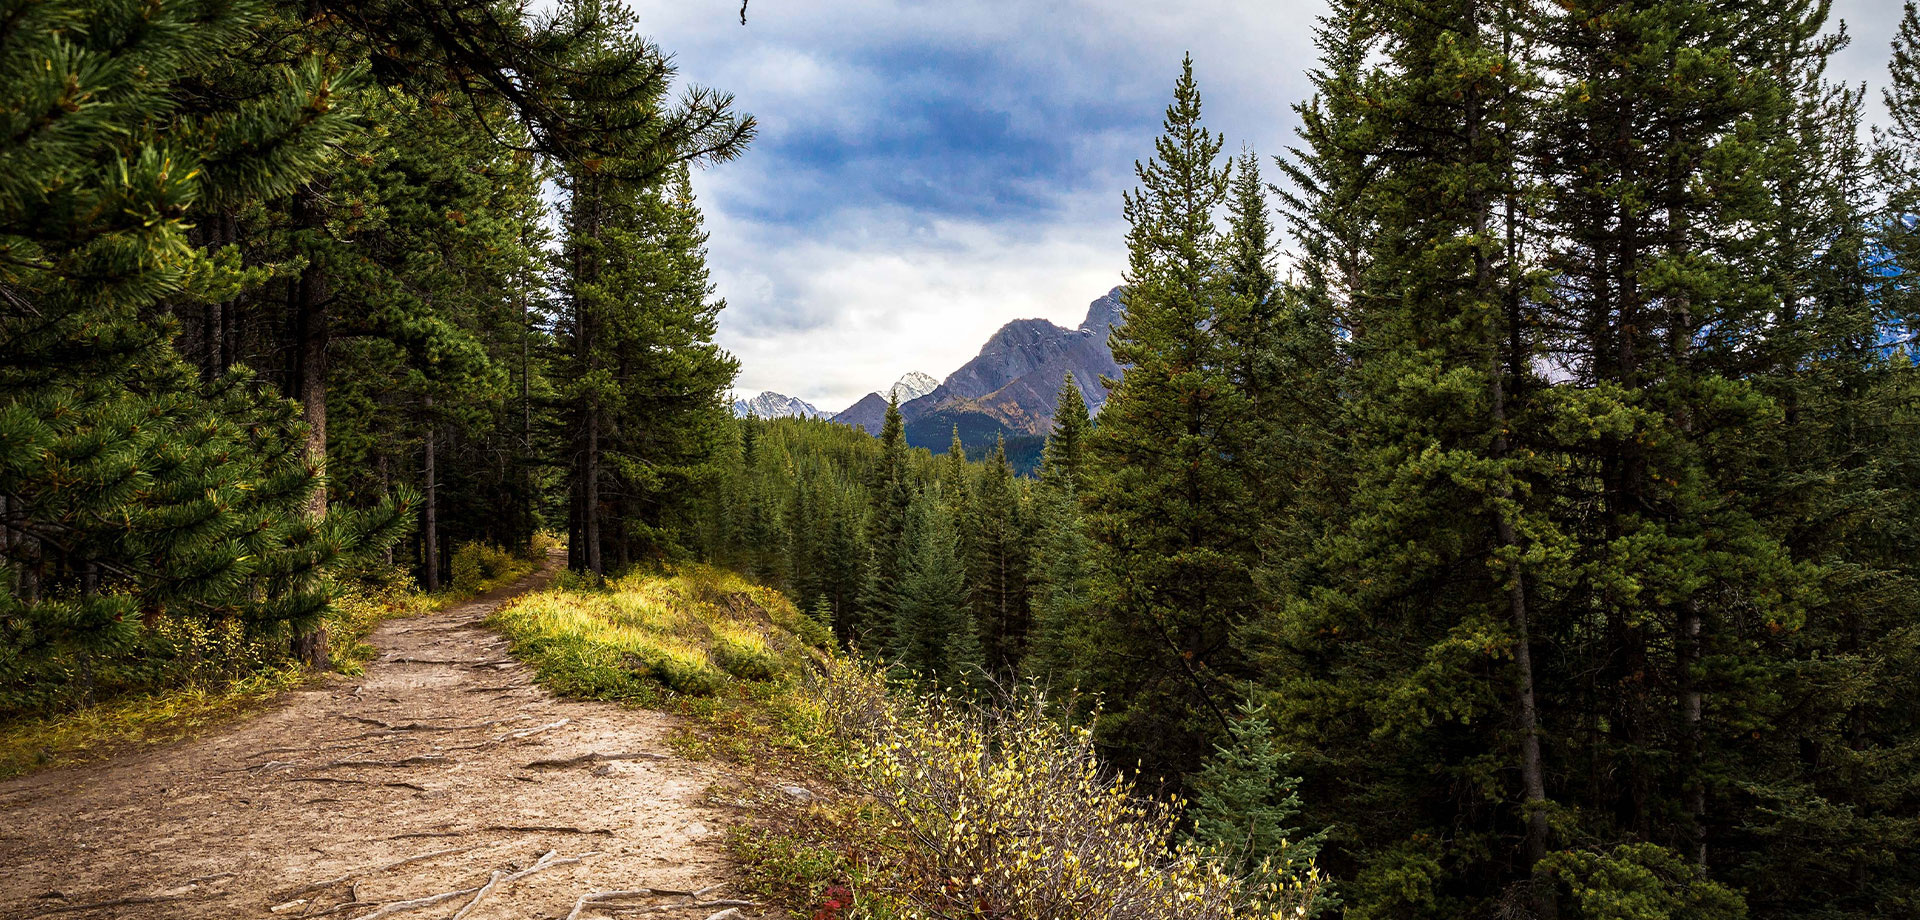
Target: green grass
{"points": [[666, 639]]}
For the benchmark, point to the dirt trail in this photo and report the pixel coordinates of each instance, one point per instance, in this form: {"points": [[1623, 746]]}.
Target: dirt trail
{"points": [[430, 754]]}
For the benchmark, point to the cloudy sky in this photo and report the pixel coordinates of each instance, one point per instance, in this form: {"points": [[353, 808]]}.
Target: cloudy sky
{"points": [[929, 169]]}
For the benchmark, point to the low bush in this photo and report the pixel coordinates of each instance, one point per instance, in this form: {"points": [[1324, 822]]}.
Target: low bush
{"points": [[1008, 812], [183, 674], [476, 565]]}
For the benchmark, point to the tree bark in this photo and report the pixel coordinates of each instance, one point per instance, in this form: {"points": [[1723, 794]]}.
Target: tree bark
{"points": [[430, 526], [312, 335]]}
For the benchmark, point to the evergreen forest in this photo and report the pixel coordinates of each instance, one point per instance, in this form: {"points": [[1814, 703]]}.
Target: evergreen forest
{"points": [[1507, 509]]}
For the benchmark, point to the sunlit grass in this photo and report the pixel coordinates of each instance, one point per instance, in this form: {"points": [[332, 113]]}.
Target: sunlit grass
{"points": [[647, 637]]}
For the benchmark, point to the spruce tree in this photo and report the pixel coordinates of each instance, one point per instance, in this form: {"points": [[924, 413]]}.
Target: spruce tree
{"points": [[1245, 804], [1170, 499], [934, 634], [996, 559], [1063, 464], [1066, 588], [889, 492]]}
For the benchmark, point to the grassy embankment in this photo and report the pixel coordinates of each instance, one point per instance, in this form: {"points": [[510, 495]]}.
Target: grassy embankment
{"points": [[187, 675], [913, 806]]}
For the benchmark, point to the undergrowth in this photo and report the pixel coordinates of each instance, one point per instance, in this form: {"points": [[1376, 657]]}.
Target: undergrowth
{"points": [[188, 674], [871, 801], [661, 639], [943, 809]]}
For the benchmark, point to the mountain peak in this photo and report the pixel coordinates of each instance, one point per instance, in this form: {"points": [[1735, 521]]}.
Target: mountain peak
{"points": [[1106, 313], [775, 405], [913, 386]]}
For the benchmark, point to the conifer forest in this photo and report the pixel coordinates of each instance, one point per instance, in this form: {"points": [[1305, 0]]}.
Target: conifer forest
{"points": [[1506, 509]]}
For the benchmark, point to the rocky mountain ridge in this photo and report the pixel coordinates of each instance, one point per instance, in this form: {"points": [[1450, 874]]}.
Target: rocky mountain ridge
{"points": [[1009, 389], [776, 405]]}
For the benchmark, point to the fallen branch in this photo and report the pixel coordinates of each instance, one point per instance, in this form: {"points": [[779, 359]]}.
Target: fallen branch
{"points": [[478, 896], [394, 907], [595, 757]]}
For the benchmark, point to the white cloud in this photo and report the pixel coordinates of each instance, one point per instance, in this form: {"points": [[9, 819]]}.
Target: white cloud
{"points": [[846, 269]]}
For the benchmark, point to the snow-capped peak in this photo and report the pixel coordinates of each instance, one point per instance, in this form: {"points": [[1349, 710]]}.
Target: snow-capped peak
{"points": [[913, 386], [775, 405]]}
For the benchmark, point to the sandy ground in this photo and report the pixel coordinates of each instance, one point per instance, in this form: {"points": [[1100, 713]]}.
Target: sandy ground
{"points": [[419, 780]]}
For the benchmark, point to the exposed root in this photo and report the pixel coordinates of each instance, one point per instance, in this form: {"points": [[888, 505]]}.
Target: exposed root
{"points": [[416, 760], [595, 757], [358, 873], [546, 829], [354, 782], [395, 907], [479, 896], [519, 735]]}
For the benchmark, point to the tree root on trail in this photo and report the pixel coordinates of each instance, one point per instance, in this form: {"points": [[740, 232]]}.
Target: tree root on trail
{"points": [[414, 761], [286, 895], [594, 757], [358, 782]]}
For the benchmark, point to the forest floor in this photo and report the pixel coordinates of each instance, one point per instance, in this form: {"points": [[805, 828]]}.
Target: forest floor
{"points": [[441, 776]]}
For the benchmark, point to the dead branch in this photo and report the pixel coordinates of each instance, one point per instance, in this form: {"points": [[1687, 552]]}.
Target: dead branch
{"points": [[394, 907], [478, 896], [595, 757]]}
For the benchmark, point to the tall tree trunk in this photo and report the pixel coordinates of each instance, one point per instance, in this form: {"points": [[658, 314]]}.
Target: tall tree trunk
{"points": [[1508, 363], [430, 526], [1690, 625], [312, 334], [591, 494]]}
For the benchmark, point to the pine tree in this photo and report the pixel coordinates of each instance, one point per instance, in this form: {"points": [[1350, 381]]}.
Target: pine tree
{"points": [[1063, 464], [890, 492], [996, 562], [1244, 804], [933, 633], [131, 489], [1170, 500]]}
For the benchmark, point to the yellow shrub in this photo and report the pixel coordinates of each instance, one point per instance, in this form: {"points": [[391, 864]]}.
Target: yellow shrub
{"points": [[1010, 813]]}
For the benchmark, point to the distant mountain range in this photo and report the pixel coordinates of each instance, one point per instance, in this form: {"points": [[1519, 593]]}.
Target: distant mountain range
{"points": [[1008, 390], [776, 405]]}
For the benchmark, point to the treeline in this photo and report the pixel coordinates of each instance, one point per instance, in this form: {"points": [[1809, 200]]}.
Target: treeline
{"points": [[283, 302], [1552, 512]]}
